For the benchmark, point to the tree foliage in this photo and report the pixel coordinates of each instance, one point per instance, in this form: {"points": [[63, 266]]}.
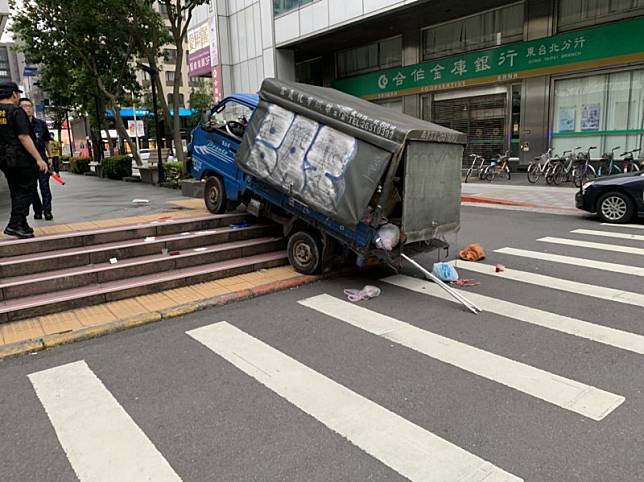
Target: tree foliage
{"points": [[87, 48], [200, 100]]}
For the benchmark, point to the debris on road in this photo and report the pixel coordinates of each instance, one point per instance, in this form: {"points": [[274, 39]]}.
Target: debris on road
{"points": [[365, 293], [499, 268], [445, 272], [472, 252]]}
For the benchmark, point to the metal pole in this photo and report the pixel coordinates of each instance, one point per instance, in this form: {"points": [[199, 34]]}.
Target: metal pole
{"points": [[99, 149], [157, 128], [136, 126], [69, 134]]}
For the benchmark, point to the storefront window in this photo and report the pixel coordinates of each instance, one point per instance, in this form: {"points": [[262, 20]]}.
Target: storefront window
{"points": [[575, 13], [494, 27], [606, 111], [283, 6], [380, 55]]}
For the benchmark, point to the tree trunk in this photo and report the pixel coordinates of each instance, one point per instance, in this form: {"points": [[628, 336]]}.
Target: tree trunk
{"points": [[121, 129]]}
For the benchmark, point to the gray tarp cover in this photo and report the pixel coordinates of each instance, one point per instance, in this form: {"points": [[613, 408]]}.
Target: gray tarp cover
{"points": [[329, 149]]}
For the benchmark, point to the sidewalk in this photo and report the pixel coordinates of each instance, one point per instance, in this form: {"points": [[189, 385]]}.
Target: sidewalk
{"points": [[87, 202], [522, 197]]}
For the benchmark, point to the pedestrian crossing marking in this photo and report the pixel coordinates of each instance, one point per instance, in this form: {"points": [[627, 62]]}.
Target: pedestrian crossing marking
{"points": [[582, 262], [588, 244], [600, 292], [628, 226], [577, 397], [609, 234], [400, 444], [583, 329], [100, 439]]}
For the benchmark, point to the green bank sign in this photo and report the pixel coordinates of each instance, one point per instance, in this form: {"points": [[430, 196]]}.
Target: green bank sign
{"points": [[584, 49]]}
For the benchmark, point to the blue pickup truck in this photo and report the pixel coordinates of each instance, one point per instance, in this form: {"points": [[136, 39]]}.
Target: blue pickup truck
{"points": [[342, 175]]}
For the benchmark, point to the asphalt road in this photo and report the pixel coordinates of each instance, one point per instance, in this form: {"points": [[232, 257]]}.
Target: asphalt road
{"points": [[283, 391]]}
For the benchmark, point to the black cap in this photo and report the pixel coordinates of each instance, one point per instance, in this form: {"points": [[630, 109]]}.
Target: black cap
{"points": [[7, 86]]}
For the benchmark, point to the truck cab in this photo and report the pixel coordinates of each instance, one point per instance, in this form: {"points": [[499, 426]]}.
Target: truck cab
{"points": [[215, 142]]}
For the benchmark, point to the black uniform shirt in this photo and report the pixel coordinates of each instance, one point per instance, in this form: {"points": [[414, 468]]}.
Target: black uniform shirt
{"points": [[14, 122]]}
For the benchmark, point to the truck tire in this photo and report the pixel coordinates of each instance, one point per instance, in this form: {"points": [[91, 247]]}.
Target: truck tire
{"points": [[215, 195], [304, 253]]}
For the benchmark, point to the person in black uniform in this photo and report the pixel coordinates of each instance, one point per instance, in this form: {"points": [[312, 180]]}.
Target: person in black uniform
{"points": [[19, 159], [43, 144]]}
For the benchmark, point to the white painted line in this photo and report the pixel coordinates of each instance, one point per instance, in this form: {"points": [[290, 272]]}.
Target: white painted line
{"points": [[101, 440], [407, 448], [582, 262], [609, 234], [572, 326], [587, 244], [577, 397], [594, 291], [629, 226]]}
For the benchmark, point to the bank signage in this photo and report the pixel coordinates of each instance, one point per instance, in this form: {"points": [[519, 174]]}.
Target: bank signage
{"points": [[199, 62], [591, 48]]}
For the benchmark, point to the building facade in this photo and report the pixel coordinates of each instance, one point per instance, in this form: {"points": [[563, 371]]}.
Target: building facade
{"points": [[515, 75]]}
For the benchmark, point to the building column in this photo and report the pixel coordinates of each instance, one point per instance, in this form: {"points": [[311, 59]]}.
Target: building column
{"points": [[411, 54], [535, 98]]}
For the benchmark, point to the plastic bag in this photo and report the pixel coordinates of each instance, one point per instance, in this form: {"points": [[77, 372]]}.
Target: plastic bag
{"points": [[445, 272], [388, 237], [365, 293]]}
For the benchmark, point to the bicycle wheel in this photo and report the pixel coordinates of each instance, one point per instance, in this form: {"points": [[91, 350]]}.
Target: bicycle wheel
{"points": [[490, 174], [534, 172], [558, 175]]}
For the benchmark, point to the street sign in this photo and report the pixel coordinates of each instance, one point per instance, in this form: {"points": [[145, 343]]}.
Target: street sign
{"points": [[30, 71]]}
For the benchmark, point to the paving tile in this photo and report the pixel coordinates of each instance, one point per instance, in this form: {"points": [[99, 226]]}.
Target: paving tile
{"points": [[239, 286], [21, 330], [55, 229], [60, 322], [156, 301], [124, 309], [210, 289], [94, 315], [184, 295], [189, 203], [86, 226]]}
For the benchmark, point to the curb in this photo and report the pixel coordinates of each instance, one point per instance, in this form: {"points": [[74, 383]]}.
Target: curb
{"points": [[57, 339], [492, 200]]}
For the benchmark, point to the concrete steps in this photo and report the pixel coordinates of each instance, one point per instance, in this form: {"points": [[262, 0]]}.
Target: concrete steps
{"points": [[72, 270]]}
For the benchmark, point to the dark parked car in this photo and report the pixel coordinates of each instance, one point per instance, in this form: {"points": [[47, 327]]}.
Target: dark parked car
{"points": [[616, 199]]}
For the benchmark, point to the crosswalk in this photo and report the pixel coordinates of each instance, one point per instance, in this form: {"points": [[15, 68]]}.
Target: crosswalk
{"points": [[99, 437]]}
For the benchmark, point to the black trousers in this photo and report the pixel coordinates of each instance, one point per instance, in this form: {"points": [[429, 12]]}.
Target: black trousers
{"points": [[22, 186]]}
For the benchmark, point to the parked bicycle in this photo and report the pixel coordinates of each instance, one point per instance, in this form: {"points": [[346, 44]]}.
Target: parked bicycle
{"points": [[540, 167], [584, 171], [499, 167], [477, 168], [630, 163], [608, 165], [562, 171]]}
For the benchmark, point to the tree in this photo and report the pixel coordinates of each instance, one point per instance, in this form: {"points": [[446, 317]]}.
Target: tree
{"points": [[200, 101], [97, 40], [179, 13]]}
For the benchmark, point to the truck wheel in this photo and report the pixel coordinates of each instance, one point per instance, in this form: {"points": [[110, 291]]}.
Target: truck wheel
{"points": [[304, 253], [215, 195]]}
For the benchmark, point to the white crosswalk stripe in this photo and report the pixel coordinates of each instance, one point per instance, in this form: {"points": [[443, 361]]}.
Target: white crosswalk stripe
{"points": [[398, 443], [100, 439], [628, 226], [565, 324], [582, 262], [585, 289], [609, 234], [588, 244], [577, 397]]}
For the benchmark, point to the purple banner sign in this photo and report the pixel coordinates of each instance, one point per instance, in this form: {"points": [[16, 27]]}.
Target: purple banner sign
{"points": [[199, 63]]}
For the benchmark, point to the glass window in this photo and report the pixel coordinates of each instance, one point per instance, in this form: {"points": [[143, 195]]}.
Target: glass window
{"points": [[375, 56], [606, 111], [283, 6], [573, 13], [169, 75], [494, 27]]}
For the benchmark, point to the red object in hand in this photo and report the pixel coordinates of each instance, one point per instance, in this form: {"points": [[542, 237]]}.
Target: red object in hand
{"points": [[58, 179]]}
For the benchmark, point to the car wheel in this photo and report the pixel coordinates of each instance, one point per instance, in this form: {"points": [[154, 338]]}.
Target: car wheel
{"points": [[215, 195], [304, 253], [615, 207]]}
